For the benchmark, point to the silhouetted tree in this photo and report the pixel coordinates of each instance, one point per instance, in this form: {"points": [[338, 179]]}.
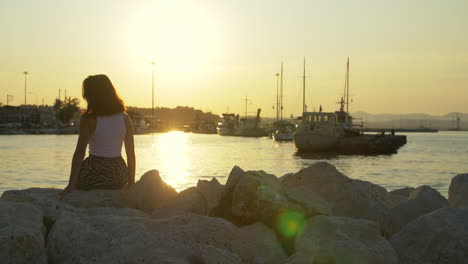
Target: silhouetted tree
{"points": [[65, 110]]}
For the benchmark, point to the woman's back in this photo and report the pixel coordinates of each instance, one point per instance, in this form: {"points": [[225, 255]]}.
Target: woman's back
{"points": [[106, 140]]}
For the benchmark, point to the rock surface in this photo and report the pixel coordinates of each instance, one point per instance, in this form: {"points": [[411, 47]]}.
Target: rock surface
{"points": [[22, 234], [258, 244], [437, 237], [212, 191], [458, 191], [399, 196], [187, 238], [149, 192], [346, 197], [190, 200], [338, 240], [45, 198], [421, 201]]}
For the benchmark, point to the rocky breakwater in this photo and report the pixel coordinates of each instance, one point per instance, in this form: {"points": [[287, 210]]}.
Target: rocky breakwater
{"points": [[316, 215]]}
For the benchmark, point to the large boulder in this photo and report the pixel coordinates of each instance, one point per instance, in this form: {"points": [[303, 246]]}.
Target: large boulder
{"points": [[149, 192], [399, 196], [47, 199], [458, 191], [346, 197], [307, 202], [109, 202], [437, 237], [212, 191], [421, 201], [97, 198], [22, 234], [258, 244], [190, 200], [338, 240], [250, 197], [186, 238], [254, 196]]}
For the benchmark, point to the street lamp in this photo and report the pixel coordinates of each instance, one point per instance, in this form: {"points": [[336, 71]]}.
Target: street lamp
{"points": [[25, 78]]}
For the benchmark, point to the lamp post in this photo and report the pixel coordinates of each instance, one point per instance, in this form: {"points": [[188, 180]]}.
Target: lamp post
{"points": [[25, 83], [152, 90]]}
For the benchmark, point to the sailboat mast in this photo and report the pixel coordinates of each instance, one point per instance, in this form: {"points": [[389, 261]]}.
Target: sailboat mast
{"points": [[303, 87], [347, 86], [277, 96], [281, 93]]}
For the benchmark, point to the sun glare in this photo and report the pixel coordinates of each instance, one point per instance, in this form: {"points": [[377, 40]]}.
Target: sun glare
{"points": [[175, 163], [175, 34]]}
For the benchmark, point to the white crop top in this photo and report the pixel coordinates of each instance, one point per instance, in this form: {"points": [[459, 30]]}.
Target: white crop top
{"points": [[106, 140]]}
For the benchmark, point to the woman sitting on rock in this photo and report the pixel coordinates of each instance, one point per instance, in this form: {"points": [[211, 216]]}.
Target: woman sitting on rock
{"points": [[104, 126]]}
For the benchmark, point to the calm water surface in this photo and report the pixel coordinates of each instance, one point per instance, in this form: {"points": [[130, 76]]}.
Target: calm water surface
{"points": [[183, 158]]}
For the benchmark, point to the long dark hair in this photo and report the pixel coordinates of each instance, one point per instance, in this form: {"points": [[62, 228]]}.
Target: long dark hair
{"points": [[101, 96]]}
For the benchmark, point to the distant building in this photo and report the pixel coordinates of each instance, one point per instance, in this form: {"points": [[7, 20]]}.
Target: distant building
{"points": [[27, 115]]}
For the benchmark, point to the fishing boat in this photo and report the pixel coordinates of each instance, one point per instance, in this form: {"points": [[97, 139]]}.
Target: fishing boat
{"points": [[250, 127], [334, 131]]}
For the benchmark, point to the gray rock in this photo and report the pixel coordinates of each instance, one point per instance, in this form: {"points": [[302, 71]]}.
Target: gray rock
{"points": [[97, 198], [458, 191], [405, 192], [22, 234], [306, 201], [258, 244], [190, 200], [149, 192], [186, 238], [212, 191], [337, 240], [300, 258], [437, 237], [346, 197], [421, 201], [258, 196], [47, 199]]}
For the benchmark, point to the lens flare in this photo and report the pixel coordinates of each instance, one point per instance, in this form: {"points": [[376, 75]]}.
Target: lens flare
{"points": [[290, 223]]}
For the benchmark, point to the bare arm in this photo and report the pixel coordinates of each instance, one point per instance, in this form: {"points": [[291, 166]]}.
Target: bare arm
{"points": [[130, 150], [78, 156]]}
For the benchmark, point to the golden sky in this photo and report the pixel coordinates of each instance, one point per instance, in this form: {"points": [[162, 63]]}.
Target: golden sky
{"points": [[406, 56]]}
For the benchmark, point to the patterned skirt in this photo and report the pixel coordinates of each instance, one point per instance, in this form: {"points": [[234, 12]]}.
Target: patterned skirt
{"points": [[103, 173]]}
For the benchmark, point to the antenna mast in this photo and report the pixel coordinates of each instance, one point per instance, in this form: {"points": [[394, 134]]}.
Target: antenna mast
{"points": [[246, 100]]}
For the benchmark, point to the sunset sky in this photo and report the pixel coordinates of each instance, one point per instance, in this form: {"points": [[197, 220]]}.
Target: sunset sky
{"points": [[406, 56]]}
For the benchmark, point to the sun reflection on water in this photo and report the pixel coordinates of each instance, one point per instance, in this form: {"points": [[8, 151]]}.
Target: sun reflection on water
{"points": [[175, 165]]}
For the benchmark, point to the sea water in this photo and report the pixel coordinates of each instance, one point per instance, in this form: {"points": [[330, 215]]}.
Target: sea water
{"points": [[184, 158]]}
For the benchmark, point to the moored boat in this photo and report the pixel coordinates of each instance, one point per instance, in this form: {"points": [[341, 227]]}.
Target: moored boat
{"points": [[334, 132]]}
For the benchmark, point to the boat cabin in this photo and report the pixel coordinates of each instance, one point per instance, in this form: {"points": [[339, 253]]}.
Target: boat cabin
{"points": [[318, 117], [340, 118]]}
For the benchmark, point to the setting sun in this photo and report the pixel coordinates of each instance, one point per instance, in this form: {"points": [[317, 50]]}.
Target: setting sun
{"points": [[177, 35]]}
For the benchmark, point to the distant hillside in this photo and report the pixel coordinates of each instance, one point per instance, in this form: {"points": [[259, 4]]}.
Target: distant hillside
{"points": [[414, 120]]}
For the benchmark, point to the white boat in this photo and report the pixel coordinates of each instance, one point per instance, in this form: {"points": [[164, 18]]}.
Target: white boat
{"points": [[321, 131], [283, 132], [228, 124]]}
